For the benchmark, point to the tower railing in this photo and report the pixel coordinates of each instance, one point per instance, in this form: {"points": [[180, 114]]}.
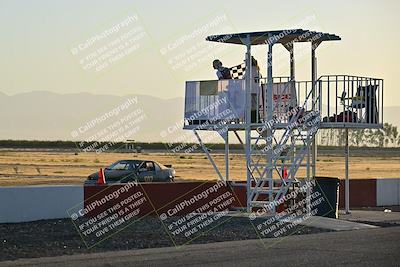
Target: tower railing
{"points": [[351, 101], [345, 101]]}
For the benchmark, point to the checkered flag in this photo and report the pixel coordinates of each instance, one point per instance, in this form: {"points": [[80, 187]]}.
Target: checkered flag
{"points": [[237, 72]]}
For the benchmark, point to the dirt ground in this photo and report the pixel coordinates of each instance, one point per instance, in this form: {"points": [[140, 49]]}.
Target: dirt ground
{"points": [[33, 239], [65, 167]]}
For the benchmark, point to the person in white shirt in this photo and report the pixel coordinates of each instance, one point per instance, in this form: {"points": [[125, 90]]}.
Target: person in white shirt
{"points": [[223, 73]]}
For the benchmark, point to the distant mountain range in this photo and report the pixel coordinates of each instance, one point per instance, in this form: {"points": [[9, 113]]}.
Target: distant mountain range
{"points": [[43, 115]]}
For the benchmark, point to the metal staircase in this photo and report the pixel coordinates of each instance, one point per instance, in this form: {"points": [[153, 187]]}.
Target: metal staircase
{"points": [[277, 153]]}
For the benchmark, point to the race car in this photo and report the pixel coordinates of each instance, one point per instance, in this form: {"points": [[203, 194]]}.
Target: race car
{"points": [[124, 171]]}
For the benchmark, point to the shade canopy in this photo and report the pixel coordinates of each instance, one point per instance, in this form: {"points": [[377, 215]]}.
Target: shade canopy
{"points": [[284, 37]]}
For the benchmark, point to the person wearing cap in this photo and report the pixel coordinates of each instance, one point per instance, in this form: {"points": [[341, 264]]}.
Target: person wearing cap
{"points": [[223, 73]]}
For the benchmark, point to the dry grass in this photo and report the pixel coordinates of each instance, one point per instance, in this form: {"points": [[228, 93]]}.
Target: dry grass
{"points": [[54, 167]]}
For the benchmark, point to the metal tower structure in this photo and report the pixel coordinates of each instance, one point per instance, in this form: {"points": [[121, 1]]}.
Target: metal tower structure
{"points": [[280, 116]]}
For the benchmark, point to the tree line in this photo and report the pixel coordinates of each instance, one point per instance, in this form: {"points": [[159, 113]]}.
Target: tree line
{"points": [[386, 137]]}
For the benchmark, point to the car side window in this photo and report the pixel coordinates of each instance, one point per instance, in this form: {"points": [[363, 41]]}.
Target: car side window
{"points": [[142, 166], [120, 166], [149, 166]]}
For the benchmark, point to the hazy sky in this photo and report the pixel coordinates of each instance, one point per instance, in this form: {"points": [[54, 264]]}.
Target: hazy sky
{"points": [[57, 45]]}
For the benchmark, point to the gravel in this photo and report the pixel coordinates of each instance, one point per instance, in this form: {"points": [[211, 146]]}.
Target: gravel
{"points": [[60, 237]]}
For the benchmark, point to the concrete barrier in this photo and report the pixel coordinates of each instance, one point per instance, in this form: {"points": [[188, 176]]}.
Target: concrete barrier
{"points": [[30, 203], [163, 197], [388, 192], [362, 193], [372, 192]]}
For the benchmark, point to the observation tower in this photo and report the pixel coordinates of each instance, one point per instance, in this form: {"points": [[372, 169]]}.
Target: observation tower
{"points": [[280, 116]]}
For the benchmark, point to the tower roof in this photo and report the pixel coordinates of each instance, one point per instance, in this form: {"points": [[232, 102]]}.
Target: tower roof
{"points": [[278, 36]]}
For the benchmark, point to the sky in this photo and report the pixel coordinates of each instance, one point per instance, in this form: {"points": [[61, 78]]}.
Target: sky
{"points": [[61, 46]]}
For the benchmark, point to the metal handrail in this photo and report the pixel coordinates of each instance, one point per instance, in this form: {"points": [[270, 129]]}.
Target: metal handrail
{"points": [[346, 75], [329, 99]]}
